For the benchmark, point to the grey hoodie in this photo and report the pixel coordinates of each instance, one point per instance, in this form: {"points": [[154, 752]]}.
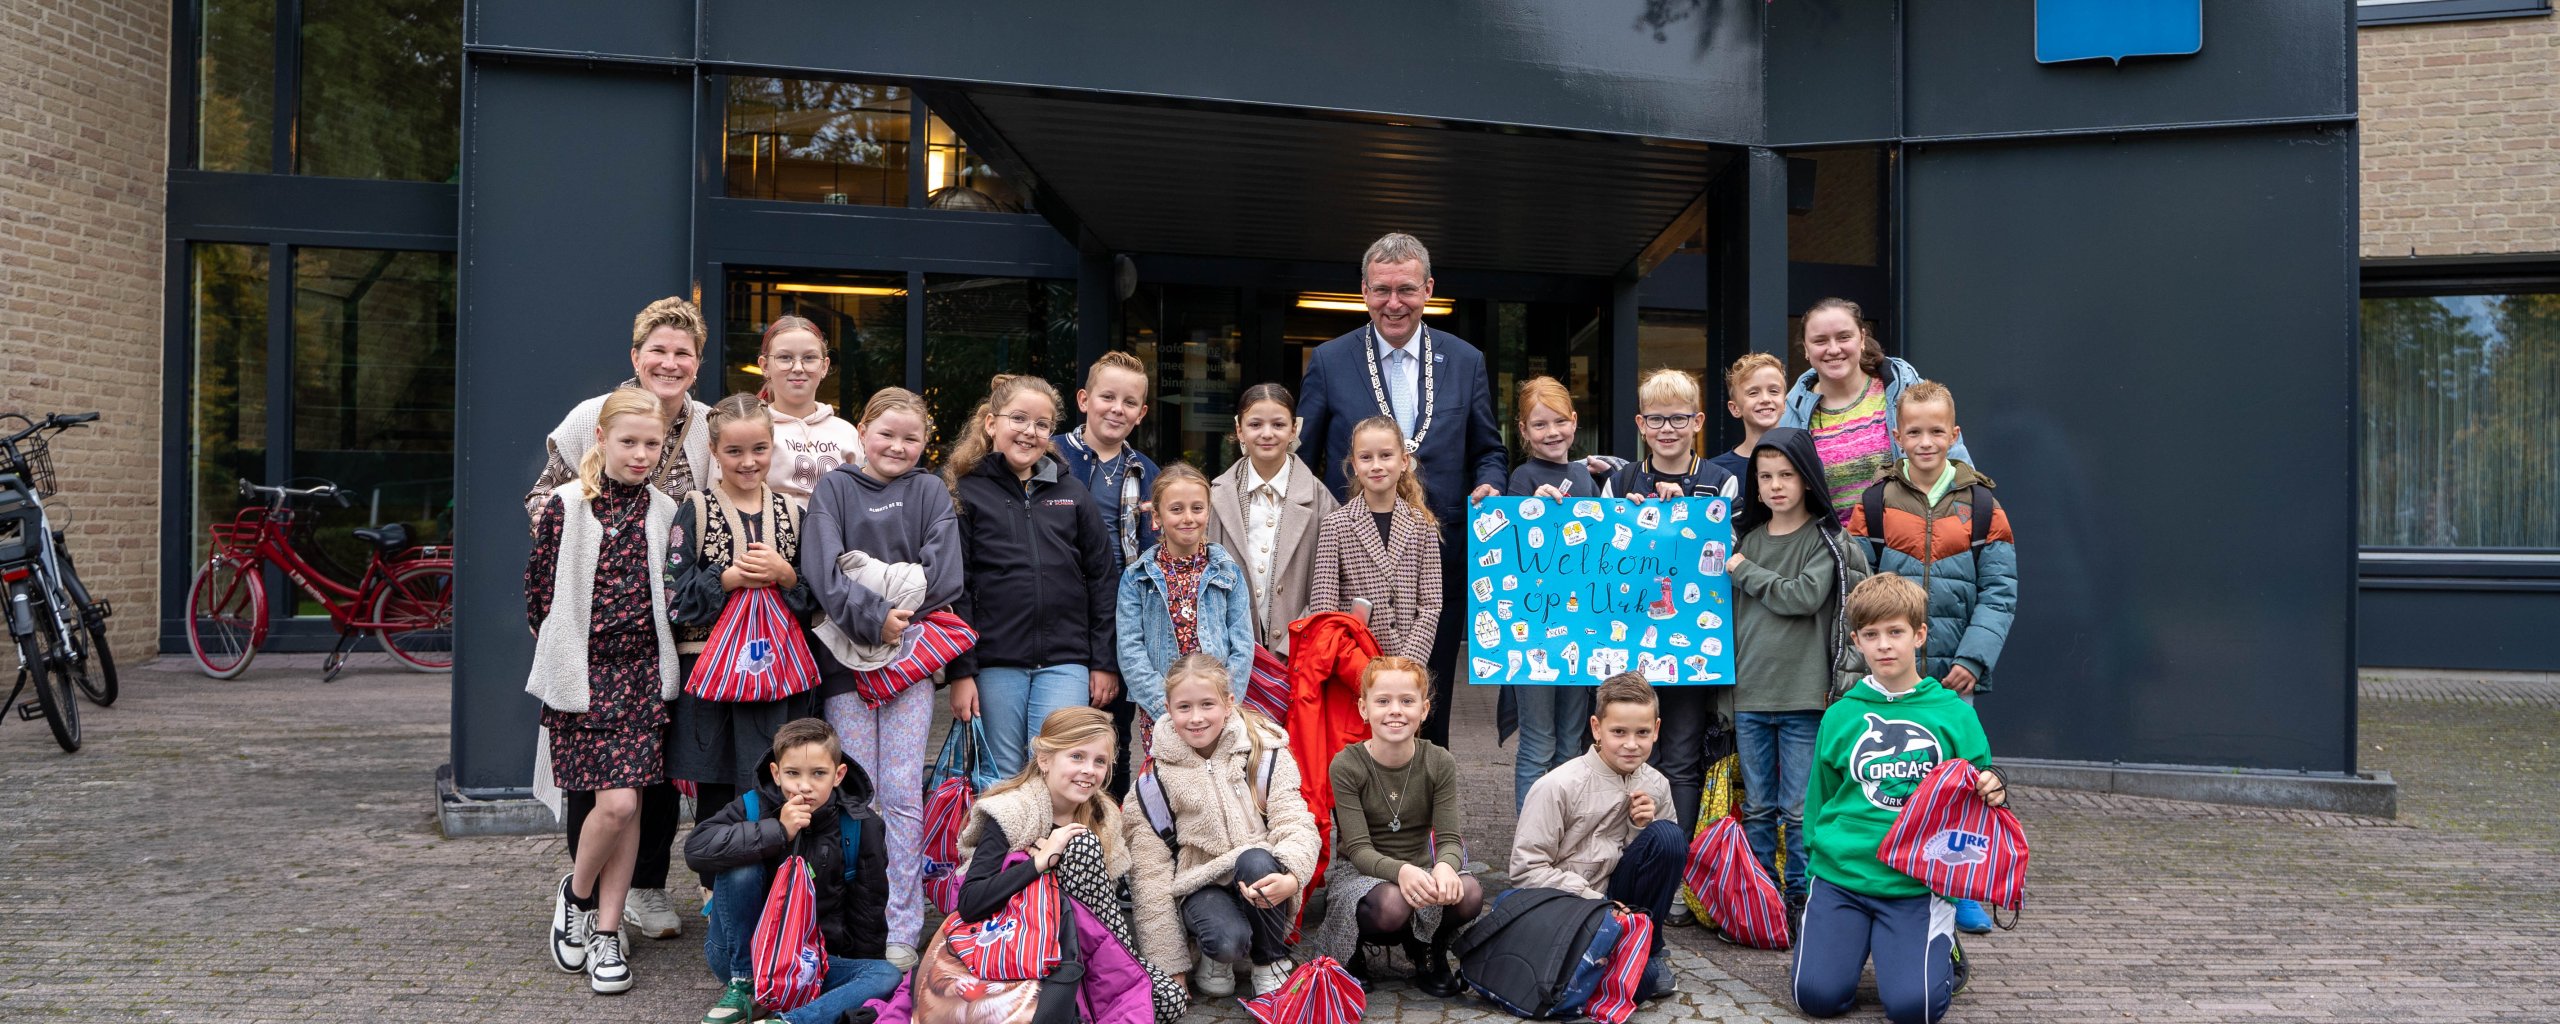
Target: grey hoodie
{"points": [[908, 519]]}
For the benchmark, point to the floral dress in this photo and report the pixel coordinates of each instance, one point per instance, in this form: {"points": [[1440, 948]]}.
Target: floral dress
{"points": [[619, 741]]}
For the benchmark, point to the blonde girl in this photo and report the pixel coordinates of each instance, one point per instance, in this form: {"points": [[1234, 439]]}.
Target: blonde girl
{"points": [[735, 534], [1400, 851], [1056, 810], [1548, 718], [1244, 844], [1380, 551], [604, 666], [809, 439], [1185, 595], [1042, 575], [886, 506], [1264, 511]]}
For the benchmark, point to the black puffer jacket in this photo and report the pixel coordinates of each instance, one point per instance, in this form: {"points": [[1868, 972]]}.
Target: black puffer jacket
{"points": [[1043, 584], [854, 914]]}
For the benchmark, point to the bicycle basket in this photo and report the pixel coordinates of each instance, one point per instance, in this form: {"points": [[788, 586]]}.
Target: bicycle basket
{"points": [[35, 465]]}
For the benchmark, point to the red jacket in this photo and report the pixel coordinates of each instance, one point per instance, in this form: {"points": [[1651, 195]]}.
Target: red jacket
{"points": [[1327, 650]]}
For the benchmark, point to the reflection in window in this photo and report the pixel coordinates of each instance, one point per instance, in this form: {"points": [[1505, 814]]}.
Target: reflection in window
{"points": [[381, 89], [1551, 339], [817, 141], [1845, 224], [958, 179], [1189, 339], [864, 317], [236, 85], [1677, 338], [977, 327], [2461, 407], [373, 336], [227, 301]]}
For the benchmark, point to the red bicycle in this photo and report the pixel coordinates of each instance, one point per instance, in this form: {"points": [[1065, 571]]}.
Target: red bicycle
{"points": [[404, 599]]}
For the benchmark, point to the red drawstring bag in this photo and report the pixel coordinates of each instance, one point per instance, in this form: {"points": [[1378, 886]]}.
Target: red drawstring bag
{"points": [[1614, 999], [1268, 691], [790, 953], [1957, 845], [1018, 943], [1729, 883], [949, 794], [1320, 991], [755, 652], [929, 643]]}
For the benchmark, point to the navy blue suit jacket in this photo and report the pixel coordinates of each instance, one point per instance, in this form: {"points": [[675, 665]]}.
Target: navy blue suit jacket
{"points": [[1463, 449]]}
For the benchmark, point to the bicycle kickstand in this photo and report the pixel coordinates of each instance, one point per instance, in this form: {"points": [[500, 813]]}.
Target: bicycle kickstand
{"points": [[337, 660]]}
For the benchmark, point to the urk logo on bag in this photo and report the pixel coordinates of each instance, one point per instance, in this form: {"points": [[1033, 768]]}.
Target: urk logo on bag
{"points": [[1956, 847], [756, 658]]}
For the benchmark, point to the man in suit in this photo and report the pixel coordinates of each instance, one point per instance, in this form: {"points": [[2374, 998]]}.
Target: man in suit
{"points": [[1436, 387]]}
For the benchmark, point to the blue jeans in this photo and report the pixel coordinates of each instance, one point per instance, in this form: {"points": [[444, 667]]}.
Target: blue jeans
{"points": [[1014, 702], [1555, 723], [737, 901], [1777, 761]]}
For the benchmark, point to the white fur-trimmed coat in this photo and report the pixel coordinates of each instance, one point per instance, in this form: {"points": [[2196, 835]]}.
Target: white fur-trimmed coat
{"points": [[1215, 820]]}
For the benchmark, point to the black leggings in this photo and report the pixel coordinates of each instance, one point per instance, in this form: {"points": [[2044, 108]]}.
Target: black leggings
{"points": [[1230, 929], [1386, 917], [659, 807]]}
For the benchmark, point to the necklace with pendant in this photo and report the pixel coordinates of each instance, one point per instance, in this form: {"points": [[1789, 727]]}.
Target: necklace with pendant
{"points": [[1395, 820]]}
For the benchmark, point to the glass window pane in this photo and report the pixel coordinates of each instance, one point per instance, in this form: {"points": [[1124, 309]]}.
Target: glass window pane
{"points": [[2461, 398], [227, 300], [236, 85], [1677, 338], [818, 142], [958, 179], [373, 335], [1188, 338], [977, 327], [1845, 224], [864, 318], [381, 88]]}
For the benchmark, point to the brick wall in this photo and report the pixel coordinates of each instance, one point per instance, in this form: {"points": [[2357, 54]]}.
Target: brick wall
{"points": [[2461, 133], [84, 138]]}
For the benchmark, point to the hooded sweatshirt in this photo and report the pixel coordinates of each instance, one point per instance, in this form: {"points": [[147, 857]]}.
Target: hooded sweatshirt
{"points": [[1872, 750], [806, 450], [853, 914], [907, 519], [1788, 590]]}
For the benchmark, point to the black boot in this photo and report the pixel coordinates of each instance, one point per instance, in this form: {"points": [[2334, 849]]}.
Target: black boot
{"points": [[1431, 971]]}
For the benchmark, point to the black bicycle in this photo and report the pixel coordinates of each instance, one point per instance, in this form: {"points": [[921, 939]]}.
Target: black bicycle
{"points": [[57, 629]]}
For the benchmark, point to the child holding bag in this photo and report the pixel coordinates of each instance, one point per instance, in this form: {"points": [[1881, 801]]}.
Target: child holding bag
{"points": [[1242, 845], [886, 507], [733, 536]]}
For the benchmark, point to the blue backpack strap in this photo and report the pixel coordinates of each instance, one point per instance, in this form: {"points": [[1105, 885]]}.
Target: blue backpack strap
{"points": [[755, 807], [849, 829]]}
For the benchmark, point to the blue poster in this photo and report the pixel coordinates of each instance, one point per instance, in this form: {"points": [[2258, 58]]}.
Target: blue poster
{"points": [[1570, 593]]}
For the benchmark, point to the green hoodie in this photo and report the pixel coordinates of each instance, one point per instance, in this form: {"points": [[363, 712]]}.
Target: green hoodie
{"points": [[1871, 752]]}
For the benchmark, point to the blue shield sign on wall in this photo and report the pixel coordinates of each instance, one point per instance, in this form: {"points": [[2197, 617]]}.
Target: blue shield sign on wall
{"points": [[2068, 30]]}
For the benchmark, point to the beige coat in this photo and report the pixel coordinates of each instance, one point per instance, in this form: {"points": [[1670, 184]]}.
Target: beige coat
{"points": [[1215, 820], [1293, 564], [1023, 814], [1575, 825]]}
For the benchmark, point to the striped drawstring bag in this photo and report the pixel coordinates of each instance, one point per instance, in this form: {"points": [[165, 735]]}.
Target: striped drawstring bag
{"points": [[755, 652], [1018, 943], [929, 643], [1957, 845], [1614, 1000], [1737, 894], [949, 793], [1268, 692], [1320, 991], [790, 953]]}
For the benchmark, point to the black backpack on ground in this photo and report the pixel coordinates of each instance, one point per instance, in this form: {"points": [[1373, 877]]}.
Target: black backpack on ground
{"points": [[1538, 953]]}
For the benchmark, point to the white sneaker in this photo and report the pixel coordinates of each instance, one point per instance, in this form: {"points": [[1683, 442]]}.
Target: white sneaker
{"points": [[1271, 977], [1215, 979], [902, 956], [568, 931], [607, 972], [648, 912]]}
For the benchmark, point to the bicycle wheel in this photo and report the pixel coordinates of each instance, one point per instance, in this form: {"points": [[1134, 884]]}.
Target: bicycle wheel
{"points": [[416, 610], [100, 683], [52, 684], [226, 616]]}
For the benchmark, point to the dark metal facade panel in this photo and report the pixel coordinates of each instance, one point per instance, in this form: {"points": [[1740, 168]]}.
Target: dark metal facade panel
{"points": [[1833, 71], [1690, 71], [2180, 466], [577, 193], [648, 29], [1970, 69], [212, 206], [1165, 179], [767, 233], [2457, 628]]}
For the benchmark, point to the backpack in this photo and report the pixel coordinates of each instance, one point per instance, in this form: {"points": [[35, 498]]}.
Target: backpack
{"points": [[1871, 506], [1539, 953], [848, 828]]}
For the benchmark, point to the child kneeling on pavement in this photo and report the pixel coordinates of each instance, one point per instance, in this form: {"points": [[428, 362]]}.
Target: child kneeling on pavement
{"points": [[1600, 826], [1876, 744], [810, 793]]}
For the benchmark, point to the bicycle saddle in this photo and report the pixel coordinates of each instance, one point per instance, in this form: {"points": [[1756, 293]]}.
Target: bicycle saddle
{"points": [[388, 537]]}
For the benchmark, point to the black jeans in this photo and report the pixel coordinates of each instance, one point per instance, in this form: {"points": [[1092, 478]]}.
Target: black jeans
{"points": [[1229, 929], [1648, 873], [1693, 737], [660, 805], [1443, 661]]}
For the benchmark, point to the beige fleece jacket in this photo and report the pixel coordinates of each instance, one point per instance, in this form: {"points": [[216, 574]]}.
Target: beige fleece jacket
{"points": [[1215, 820], [1575, 824]]}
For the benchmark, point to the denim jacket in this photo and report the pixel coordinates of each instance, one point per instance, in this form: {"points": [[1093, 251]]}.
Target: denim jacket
{"points": [[1146, 626]]}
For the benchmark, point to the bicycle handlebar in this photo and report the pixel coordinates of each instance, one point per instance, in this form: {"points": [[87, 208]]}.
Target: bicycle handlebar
{"points": [[284, 494], [57, 422]]}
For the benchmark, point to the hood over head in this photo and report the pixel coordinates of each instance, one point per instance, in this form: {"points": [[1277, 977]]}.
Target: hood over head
{"points": [[1797, 445]]}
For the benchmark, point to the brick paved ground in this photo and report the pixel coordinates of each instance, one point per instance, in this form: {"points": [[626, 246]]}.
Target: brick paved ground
{"points": [[263, 850]]}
